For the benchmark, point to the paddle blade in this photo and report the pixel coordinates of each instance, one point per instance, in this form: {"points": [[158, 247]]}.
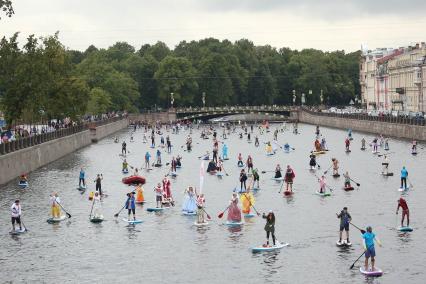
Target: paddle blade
{"points": [[69, 215], [220, 215], [352, 266], [208, 217], [362, 231]]}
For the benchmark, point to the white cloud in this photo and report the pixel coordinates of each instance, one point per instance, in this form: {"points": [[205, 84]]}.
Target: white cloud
{"points": [[326, 24]]}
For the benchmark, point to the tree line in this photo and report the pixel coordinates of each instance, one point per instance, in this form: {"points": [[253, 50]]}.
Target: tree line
{"points": [[46, 79]]}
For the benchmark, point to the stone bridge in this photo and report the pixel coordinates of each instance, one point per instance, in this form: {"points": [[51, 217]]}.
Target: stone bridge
{"points": [[268, 112]]}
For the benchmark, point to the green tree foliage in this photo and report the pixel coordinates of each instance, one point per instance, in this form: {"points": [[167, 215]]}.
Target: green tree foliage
{"points": [[45, 78], [6, 8]]}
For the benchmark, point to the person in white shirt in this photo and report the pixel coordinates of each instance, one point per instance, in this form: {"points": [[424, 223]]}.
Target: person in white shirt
{"points": [[16, 214]]}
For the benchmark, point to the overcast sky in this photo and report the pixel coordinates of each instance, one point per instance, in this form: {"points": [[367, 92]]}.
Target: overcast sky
{"points": [[298, 24]]}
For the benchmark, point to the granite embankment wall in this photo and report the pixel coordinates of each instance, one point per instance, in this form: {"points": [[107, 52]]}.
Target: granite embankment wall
{"points": [[398, 130], [31, 158]]}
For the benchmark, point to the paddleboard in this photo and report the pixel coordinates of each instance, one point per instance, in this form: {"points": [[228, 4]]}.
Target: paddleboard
{"points": [[255, 188], [405, 229], [125, 171], [81, 187], [375, 273], [318, 152], [158, 165], [140, 202], [201, 224], [413, 153], [336, 175], [17, 231], [278, 179], [219, 174], [97, 219], [270, 154], [343, 243], [132, 222], [348, 151], [155, 209], [323, 194], [241, 165], [288, 193], [173, 174], [178, 167], [388, 174], [56, 220], [23, 184], [363, 149], [348, 188], [225, 159], [403, 189], [249, 215], [186, 213], [234, 224], [152, 146], [269, 248]]}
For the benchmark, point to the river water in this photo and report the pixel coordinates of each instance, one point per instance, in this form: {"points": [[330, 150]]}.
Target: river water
{"points": [[167, 248]]}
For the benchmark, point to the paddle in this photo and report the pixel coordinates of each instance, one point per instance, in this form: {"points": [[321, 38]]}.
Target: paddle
{"points": [[23, 225], [264, 172], [208, 153], [223, 168], [116, 215], [68, 214], [327, 169], [361, 230], [281, 187], [91, 210], [380, 155], [411, 185], [353, 264], [221, 214], [357, 184]]}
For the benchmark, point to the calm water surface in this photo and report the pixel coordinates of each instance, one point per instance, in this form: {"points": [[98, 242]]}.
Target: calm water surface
{"points": [[167, 248]]}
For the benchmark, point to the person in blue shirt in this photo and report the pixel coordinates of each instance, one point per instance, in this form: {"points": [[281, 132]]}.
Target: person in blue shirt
{"points": [[158, 157], [82, 178], [147, 157], [404, 175], [286, 147], [369, 238], [224, 152], [130, 205]]}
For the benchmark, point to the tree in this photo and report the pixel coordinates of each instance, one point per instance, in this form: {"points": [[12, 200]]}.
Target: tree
{"points": [[99, 102], [176, 75], [6, 8]]}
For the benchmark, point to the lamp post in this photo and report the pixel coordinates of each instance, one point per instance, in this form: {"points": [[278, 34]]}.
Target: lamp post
{"points": [[204, 99], [294, 97], [303, 99], [172, 99], [321, 97]]}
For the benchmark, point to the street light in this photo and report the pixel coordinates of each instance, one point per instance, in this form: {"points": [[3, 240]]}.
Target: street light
{"points": [[172, 99], [204, 99], [321, 97], [294, 97], [303, 100]]}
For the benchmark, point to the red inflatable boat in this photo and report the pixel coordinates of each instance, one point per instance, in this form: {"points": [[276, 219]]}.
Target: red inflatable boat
{"points": [[133, 180]]}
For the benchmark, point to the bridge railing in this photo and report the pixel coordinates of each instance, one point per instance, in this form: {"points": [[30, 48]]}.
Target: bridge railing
{"points": [[234, 108], [25, 142]]}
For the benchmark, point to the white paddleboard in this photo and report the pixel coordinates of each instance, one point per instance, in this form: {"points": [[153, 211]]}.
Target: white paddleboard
{"points": [[17, 231], [55, 220], [132, 221], [377, 272], [201, 224], [343, 243], [269, 248]]}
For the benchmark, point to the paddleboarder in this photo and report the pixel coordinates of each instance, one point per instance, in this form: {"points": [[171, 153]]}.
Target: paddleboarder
{"points": [[82, 178], [335, 166], [125, 166], [363, 143], [16, 211], [347, 179], [385, 165], [243, 179], [130, 205], [404, 175], [347, 144], [54, 205], [369, 238], [405, 211], [312, 161], [159, 195], [278, 171], [414, 146], [345, 219], [98, 182], [240, 160], [289, 177], [249, 164], [256, 177], [323, 184], [269, 227], [200, 209], [247, 201], [124, 148], [234, 212], [147, 158]]}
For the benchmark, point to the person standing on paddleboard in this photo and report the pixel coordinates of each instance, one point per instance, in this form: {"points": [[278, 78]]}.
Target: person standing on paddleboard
{"points": [[159, 195], [54, 205], [249, 164], [247, 200], [125, 166], [345, 219], [405, 211], [173, 164], [169, 144], [234, 212], [269, 227], [124, 148], [347, 179], [158, 157], [200, 209], [240, 160], [256, 141], [289, 177], [347, 144], [16, 211], [363, 143], [335, 166], [312, 161], [256, 177], [414, 147], [323, 184], [369, 238], [147, 157], [385, 165], [404, 175], [243, 179], [82, 178], [98, 182], [130, 205], [278, 171]]}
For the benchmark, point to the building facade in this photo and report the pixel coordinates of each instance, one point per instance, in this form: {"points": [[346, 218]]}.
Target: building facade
{"points": [[394, 79]]}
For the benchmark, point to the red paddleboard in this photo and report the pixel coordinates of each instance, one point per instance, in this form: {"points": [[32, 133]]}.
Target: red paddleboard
{"points": [[348, 188], [288, 193]]}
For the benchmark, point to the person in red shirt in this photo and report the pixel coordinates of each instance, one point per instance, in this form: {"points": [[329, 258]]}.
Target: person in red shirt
{"points": [[347, 144], [289, 177], [405, 212]]}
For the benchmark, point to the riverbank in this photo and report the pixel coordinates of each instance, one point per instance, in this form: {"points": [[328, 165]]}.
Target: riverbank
{"points": [[28, 159], [389, 129]]}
